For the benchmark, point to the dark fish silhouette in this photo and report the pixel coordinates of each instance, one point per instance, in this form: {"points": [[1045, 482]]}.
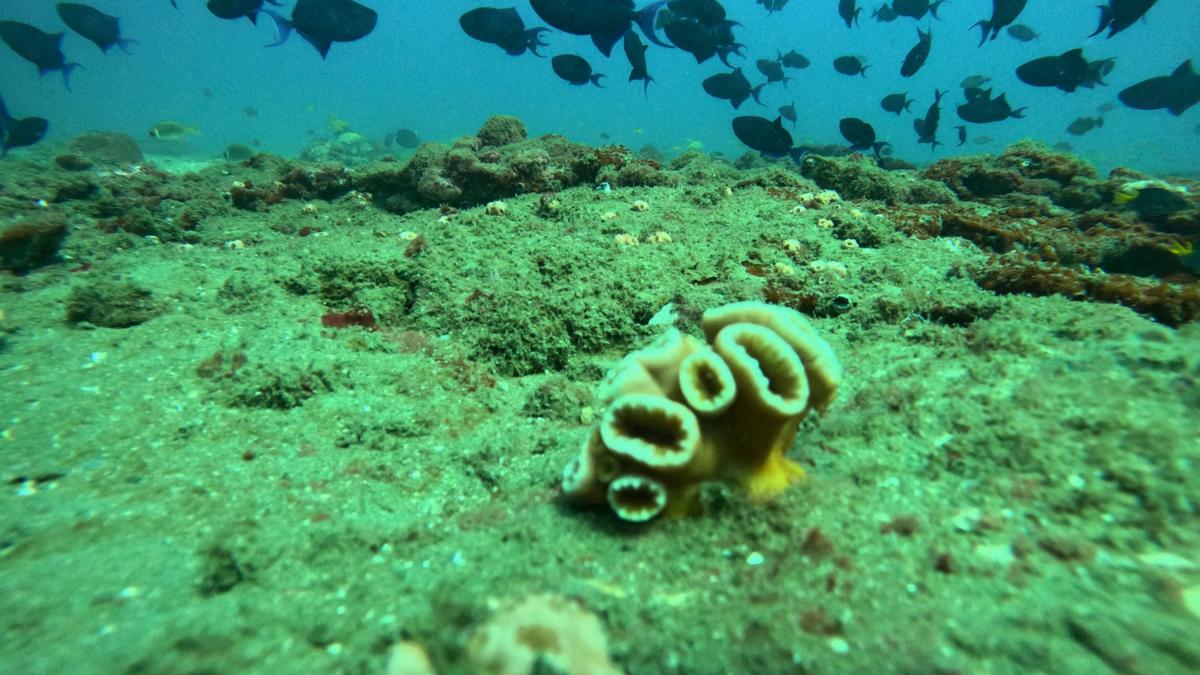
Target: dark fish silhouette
{"points": [[733, 87], [236, 9], [849, 11], [896, 103], [707, 12], [1022, 33], [323, 22], [1176, 92], [19, 133], [1004, 12], [605, 21], [1118, 15], [772, 69], [1067, 71], [884, 14], [850, 65], [635, 51], [794, 59], [100, 28], [575, 69], [773, 5], [926, 127], [860, 135], [503, 28], [699, 39], [43, 50], [763, 135], [981, 108], [962, 135], [918, 54], [1084, 124], [916, 8], [788, 112], [406, 138]]}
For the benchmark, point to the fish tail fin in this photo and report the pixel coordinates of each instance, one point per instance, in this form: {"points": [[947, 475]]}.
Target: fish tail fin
{"points": [[1019, 113], [596, 79], [907, 107], [863, 72], [987, 29], [533, 39], [724, 51], [645, 21], [756, 91], [283, 27], [124, 44], [1106, 18], [797, 154], [67, 69], [1099, 122], [933, 8]]}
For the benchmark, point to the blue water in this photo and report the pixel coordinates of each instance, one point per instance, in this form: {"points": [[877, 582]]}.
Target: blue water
{"points": [[418, 70]]}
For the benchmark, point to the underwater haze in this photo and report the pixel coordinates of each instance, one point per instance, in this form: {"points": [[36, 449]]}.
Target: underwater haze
{"points": [[418, 70]]}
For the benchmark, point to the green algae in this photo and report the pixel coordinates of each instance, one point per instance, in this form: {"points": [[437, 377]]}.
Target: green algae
{"points": [[1004, 484]]}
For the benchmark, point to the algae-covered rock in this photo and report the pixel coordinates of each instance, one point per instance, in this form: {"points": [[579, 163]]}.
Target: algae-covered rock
{"points": [[501, 130], [858, 177], [106, 149], [1027, 168], [111, 303], [31, 243], [472, 172]]}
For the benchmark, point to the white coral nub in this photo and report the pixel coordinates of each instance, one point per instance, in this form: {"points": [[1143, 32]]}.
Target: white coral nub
{"points": [[637, 498]]}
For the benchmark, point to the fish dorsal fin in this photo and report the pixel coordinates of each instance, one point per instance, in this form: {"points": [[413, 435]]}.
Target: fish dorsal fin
{"points": [[1184, 70], [779, 122], [1073, 53]]}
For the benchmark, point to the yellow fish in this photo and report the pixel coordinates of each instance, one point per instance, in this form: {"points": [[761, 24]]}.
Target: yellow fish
{"points": [[172, 131]]}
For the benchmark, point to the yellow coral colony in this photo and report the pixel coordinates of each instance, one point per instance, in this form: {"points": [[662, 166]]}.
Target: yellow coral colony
{"points": [[683, 411]]}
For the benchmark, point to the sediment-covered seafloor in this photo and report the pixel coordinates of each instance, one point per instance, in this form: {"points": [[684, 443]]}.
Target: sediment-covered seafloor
{"points": [[274, 416]]}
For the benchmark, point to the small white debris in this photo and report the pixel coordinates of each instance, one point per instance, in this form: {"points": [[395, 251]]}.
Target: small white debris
{"points": [[967, 519], [839, 646], [755, 559], [665, 316]]}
